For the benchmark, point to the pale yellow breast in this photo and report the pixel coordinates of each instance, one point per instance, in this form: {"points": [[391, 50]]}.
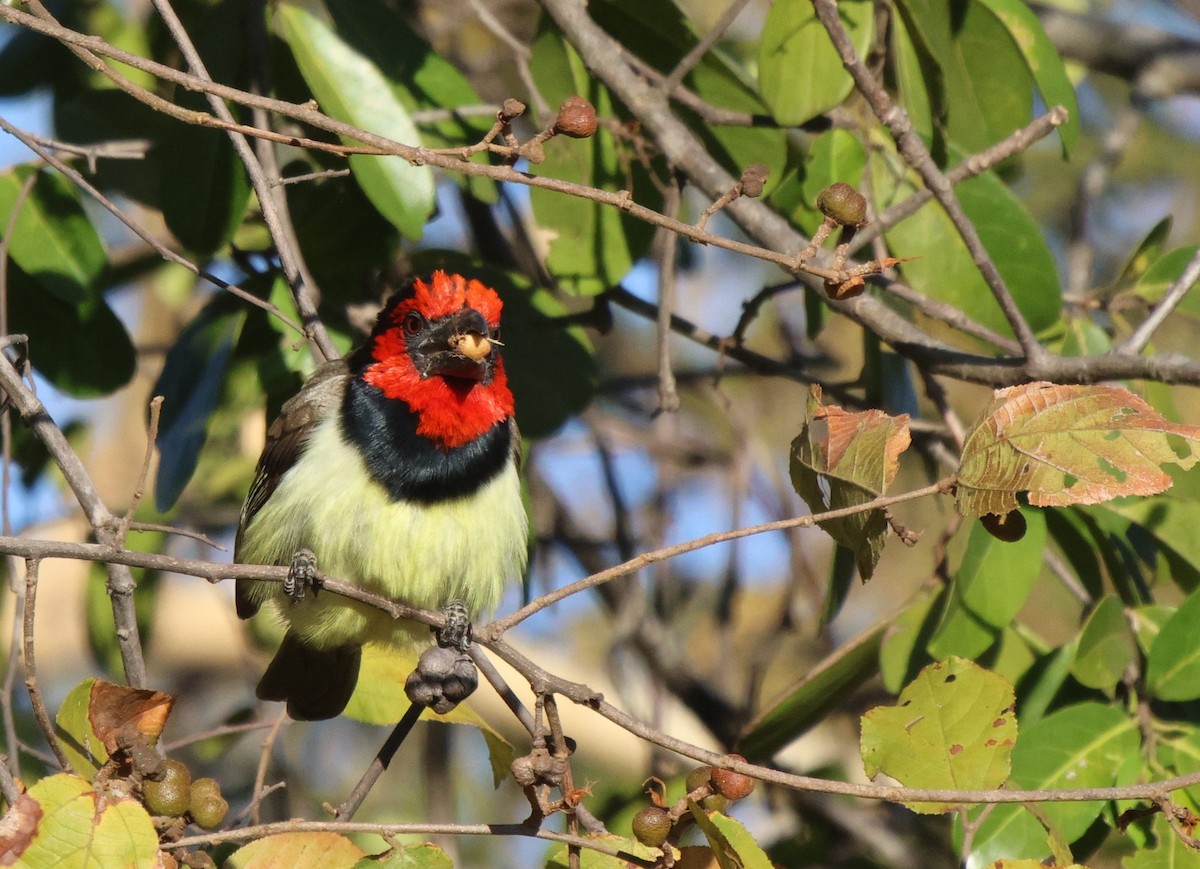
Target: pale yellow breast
{"points": [[422, 554]]}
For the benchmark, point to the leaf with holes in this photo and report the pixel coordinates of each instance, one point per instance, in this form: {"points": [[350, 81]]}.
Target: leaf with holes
{"points": [[953, 727], [1068, 445], [843, 459]]}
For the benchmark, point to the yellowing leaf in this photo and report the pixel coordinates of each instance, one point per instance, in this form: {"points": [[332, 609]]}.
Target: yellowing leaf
{"points": [[1068, 445], [77, 829], [297, 851], [843, 459], [953, 727]]}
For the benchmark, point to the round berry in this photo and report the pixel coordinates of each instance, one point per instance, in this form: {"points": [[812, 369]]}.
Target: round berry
{"points": [[171, 794], [651, 826]]}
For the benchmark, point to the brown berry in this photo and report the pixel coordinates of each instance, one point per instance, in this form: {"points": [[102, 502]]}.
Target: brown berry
{"points": [[1009, 528], [843, 203], [576, 118], [753, 179], [697, 857], [651, 826], [732, 785], [512, 109]]}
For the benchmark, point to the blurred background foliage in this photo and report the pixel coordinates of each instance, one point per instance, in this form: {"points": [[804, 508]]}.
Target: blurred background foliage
{"points": [[768, 645]]}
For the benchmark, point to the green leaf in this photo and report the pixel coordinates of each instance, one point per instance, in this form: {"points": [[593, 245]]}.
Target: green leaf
{"points": [[1080, 746], [732, 843], [834, 156], [75, 827], [1149, 249], [799, 72], [297, 851], [917, 73], [560, 856], [1106, 647], [344, 71], [995, 577], [1170, 852], [902, 650], [843, 459], [1042, 60], [423, 856], [191, 382], [953, 727], [550, 366], [73, 726], [1173, 666], [82, 349], [939, 264], [1163, 272], [823, 688], [53, 240], [591, 246]]}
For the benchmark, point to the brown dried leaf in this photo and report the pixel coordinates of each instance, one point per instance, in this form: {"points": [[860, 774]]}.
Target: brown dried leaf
{"points": [[842, 459], [113, 708], [1068, 445], [18, 827]]}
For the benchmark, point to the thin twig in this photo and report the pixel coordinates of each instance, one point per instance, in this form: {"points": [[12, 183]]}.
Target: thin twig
{"points": [[139, 490], [40, 713], [666, 244], [497, 628], [264, 762], [502, 688], [1172, 296], [380, 763], [290, 258], [689, 61]]}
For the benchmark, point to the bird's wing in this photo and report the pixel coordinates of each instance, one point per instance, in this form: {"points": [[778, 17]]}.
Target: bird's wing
{"points": [[286, 438]]}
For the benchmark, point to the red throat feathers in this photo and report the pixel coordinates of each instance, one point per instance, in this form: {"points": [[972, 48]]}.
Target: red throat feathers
{"points": [[450, 412]]}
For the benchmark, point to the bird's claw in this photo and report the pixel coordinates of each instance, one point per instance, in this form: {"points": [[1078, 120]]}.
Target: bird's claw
{"points": [[302, 575], [456, 634]]}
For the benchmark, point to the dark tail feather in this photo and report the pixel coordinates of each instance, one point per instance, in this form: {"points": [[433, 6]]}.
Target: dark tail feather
{"points": [[316, 683]]}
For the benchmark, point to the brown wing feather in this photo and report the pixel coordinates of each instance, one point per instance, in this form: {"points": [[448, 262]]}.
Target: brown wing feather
{"points": [[286, 438]]}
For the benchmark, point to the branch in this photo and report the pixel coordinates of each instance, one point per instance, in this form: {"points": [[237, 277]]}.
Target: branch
{"points": [[919, 158]]}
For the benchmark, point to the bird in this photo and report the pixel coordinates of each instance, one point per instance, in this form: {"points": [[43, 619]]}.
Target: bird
{"points": [[395, 468]]}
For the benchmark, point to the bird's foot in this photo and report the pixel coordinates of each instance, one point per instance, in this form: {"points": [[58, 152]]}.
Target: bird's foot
{"points": [[443, 679], [457, 632], [302, 575]]}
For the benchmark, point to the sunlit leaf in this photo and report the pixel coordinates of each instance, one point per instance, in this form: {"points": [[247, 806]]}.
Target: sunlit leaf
{"points": [[81, 829], [297, 851], [1068, 445], [1043, 62], [938, 263], [562, 857], [350, 86], [114, 709], [799, 72], [1081, 746], [952, 727], [73, 726], [422, 856], [732, 843], [53, 240], [843, 459]]}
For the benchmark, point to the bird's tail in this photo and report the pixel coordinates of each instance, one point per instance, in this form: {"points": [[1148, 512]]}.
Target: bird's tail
{"points": [[315, 683]]}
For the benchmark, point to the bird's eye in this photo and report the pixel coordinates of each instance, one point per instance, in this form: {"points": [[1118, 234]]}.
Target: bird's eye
{"points": [[494, 335], [412, 323]]}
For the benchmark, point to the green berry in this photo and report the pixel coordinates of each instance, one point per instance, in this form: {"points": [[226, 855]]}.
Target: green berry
{"points": [[698, 777], [208, 808], [651, 826], [171, 795], [843, 203]]}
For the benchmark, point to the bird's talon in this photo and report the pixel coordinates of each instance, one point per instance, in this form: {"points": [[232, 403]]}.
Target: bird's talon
{"points": [[301, 576], [457, 632]]}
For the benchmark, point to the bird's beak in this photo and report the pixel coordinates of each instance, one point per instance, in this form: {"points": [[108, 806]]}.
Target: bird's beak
{"points": [[462, 347]]}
